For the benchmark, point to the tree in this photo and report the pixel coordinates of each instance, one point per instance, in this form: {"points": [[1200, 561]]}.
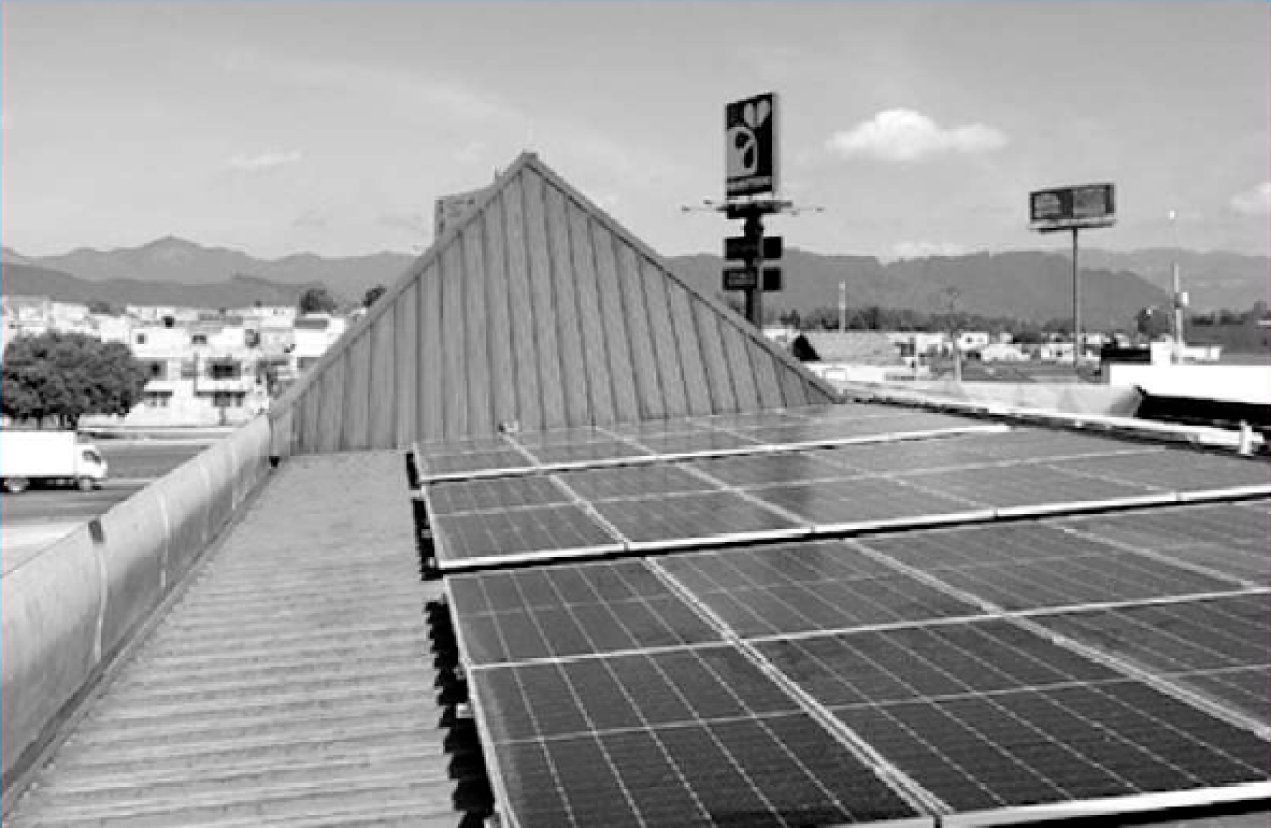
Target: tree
{"points": [[67, 375], [372, 295], [317, 300], [1152, 323]]}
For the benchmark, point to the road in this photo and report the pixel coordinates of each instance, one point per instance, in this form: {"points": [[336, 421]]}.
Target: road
{"points": [[39, 516]]}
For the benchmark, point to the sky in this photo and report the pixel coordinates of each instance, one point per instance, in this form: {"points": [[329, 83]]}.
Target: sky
{"points": [[919, 128]]}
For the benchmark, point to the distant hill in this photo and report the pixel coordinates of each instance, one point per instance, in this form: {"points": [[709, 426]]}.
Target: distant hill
{"points": [[1214, 279], [173, 260], [1034, 285], [1027, 285], [240, 291]]}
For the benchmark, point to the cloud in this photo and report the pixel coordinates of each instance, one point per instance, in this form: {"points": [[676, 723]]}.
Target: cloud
{"points": [[923, 249], [906, 135], [263, 161], [1255, 201]]}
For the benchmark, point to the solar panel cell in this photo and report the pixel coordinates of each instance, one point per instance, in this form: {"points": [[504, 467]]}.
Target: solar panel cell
{"points": [[584, 452], [505, 458]]}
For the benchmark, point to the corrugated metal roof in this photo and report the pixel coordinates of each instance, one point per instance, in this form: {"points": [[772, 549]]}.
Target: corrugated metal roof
{"points": [[536, 308]]}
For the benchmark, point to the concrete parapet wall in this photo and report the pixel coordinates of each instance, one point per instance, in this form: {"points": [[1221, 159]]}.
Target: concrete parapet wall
{"points": [[1062, 397], [68, 610]]}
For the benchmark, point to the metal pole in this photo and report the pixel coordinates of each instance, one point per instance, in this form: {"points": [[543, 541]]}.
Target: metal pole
{"points": [[754, 229], [842, 307], [1178, 314], [1076, 307]]}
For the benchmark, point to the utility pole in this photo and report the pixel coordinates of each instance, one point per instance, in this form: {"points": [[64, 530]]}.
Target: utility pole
{"points": [[1179, 297], [842, 307]]}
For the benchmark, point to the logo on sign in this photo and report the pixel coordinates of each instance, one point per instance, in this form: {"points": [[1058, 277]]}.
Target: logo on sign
{"points": [[749, 151]]}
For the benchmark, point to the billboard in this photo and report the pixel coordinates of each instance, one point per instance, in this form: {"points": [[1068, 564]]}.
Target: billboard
{"points": [[750, 146], [1063, 208]]}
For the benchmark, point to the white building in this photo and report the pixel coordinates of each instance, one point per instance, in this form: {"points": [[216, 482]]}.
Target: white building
{"points": [[314, 333]]}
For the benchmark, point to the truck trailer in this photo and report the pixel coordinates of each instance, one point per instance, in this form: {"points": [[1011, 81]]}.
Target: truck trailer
{"points": [[49, 457]]}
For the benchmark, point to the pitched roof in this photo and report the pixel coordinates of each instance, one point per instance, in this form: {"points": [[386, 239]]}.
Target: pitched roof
{"points": [[536, 307]]}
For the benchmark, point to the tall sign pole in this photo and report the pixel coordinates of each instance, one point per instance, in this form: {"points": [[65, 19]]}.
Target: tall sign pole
{"points": [[750, 186], [1074, 209]]}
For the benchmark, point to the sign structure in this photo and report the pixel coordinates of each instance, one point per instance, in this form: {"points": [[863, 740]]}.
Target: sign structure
{"points": [[743, 278], [744, 247], [750, 146], [1067, 208]]}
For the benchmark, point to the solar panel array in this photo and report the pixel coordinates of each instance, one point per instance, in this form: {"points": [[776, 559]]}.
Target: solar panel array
{"points": [[1085, 629]]}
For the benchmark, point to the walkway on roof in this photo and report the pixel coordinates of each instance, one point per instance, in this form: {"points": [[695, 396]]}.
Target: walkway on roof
{"points": [[289, 684]]}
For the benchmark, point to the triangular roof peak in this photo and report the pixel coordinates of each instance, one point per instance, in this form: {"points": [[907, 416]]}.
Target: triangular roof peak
{"points": [[536, 307]]}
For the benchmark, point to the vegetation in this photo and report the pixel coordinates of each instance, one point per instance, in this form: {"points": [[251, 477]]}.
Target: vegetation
{"points": [[317, 300], [372, 295], [66, 375]]}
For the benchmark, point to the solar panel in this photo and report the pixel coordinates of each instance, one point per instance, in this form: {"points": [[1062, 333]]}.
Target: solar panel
{"points": [[758, 470], [585, 452], [793, 588], [987, 716], [494, 494], [635, 481], [480, 538], [1177, 469], [694, 443], [1224, 538], [563, 437], [844, 428], [1217, 646], [861, 501], [569, 611], [696, 518], [475, 461], [692, 736], [1029, 566], [1024, 485]]}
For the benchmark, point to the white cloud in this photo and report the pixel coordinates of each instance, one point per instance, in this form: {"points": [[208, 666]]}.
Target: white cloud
{"points": [[922, 249], [263, 161], [906, 135], [1255, 201]]}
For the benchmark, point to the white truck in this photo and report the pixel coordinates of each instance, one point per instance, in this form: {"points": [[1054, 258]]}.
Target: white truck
{"points": [[48, 456]]}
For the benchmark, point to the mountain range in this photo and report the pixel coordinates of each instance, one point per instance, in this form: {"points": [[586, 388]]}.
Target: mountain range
{"points": [[1026, 284]]}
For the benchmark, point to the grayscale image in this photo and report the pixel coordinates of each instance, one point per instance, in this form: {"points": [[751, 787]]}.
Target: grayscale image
{"points": [[529, 413]]}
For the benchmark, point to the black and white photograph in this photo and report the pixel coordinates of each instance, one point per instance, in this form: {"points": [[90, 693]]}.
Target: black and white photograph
{"points": [[536, 413]]}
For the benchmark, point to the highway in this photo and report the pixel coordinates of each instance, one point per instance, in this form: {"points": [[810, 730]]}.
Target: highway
{"points": [[39, 516]]}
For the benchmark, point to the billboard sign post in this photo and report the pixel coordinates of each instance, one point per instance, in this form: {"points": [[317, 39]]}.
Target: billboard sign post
{"points": [[1073, 209]]}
